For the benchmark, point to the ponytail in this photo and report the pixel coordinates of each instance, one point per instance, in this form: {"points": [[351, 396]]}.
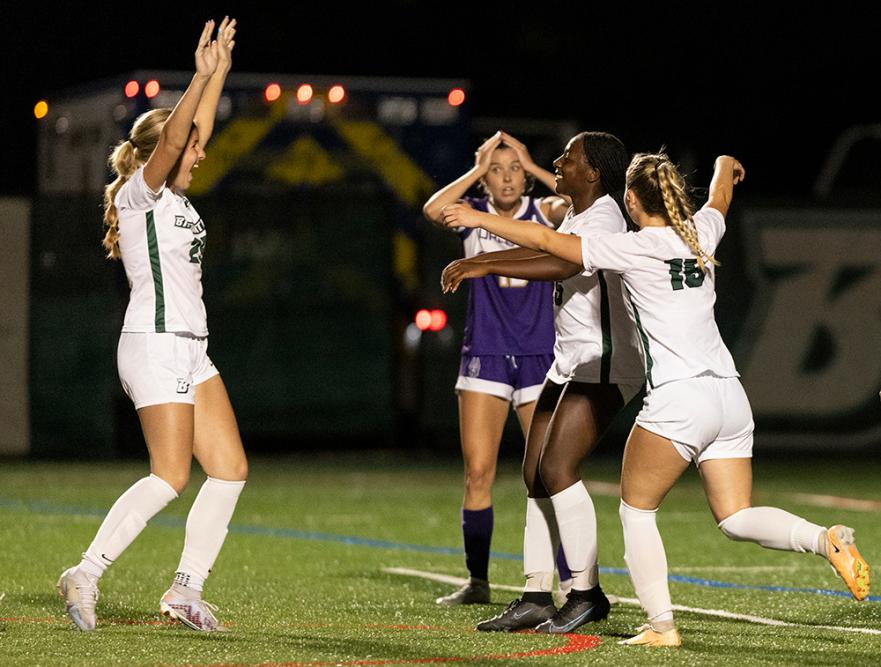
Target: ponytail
{"points": [[125, 159]]}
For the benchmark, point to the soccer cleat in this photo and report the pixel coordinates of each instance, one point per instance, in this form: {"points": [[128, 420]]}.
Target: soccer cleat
{"points": [[648, 636], [519, 615], [581, 607], [194, 613], [845, 559], [80, 593], [476, 591]]}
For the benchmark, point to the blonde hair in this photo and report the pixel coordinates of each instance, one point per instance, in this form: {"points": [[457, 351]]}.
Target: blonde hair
{"points": [[124, 160], [662, 190]]}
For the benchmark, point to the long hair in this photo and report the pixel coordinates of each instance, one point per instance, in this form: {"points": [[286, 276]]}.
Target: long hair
{"points": [[662, 190], [124, 160], [607, 154]]}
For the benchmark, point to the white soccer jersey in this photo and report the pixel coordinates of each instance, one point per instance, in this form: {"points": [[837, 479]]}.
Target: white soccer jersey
{"points": [[595, 339], [670, 299], [161, 239]]}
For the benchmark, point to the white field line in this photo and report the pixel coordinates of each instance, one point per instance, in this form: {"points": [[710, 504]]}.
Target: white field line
{"points": [[837, 502], [814, 499], [734, 568], [720, 613]]}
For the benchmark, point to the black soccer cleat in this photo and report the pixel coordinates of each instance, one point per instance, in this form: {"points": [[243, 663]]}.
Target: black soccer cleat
{"points": [[519, 615], [581, 607]]}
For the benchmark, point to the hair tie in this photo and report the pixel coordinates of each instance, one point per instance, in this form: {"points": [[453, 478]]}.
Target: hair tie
{"points": [[658, 167], [134, 145]]}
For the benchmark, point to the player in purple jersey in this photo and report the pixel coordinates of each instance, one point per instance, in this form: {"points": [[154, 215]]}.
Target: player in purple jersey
{"points": [[596, 370], [508, 340]]}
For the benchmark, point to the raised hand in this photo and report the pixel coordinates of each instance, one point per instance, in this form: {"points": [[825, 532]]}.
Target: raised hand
{"points": [[459, 215], [457, 271], [739, 172], [483, 156], [225, 42], [206, 51], [522, 152]]}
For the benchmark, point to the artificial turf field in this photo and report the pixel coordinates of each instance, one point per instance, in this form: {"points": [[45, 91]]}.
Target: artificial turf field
{"points": [[303, 578]]}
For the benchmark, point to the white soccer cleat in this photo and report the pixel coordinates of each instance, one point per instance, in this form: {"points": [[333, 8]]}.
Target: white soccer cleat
{"points": [[80, 593], [195, 614], [648, 636]]}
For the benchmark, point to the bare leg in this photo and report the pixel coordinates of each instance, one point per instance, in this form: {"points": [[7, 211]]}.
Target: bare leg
{"points": [[481, 422], [583, 413]]}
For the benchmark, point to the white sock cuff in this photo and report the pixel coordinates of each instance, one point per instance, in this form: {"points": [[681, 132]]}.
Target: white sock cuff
{"points": [[624, 508], [224, 487], [216, 480], [570, 497], [163, 489], [539, 507]]}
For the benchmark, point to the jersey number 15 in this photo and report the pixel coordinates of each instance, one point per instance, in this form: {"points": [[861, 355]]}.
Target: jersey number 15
{"points": [[685, 271]]}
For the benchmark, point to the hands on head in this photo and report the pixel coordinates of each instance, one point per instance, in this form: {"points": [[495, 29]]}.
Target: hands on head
{"points": [[483, 156], [520, 148]]}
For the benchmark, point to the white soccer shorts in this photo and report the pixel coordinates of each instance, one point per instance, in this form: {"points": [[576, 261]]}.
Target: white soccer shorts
{"points": [[159, 368], [706, 417]]}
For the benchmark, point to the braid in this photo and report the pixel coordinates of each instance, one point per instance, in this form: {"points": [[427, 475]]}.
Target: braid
{"points": [[124, 160], [662, 191], [679, 210]]}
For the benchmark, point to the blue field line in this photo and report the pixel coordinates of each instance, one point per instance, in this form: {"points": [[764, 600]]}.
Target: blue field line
{"points": [[42, 507]]}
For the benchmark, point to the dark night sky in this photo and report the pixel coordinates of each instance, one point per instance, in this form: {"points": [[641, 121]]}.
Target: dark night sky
{"points": [[772, 85]]}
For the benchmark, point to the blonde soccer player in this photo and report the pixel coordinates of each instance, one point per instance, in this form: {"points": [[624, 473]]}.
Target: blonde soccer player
{"points": [[508, 339], [162, 355], [696, 409]]}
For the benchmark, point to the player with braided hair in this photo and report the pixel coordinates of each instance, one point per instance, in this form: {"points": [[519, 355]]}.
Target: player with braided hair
{"points": [[696, 409]]}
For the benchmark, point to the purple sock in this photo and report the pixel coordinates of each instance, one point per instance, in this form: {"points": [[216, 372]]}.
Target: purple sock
{"points": [[562, 566], [477, 530]]}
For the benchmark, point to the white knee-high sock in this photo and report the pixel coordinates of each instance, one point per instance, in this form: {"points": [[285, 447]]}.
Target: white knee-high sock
{"points": [[646, 560], [577, 523], [125, 521], [775, 528], [206, 530], [540, 543]]}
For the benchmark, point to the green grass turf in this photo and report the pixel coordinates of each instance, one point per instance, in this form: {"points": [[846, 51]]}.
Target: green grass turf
{"points": [[295, 600]]}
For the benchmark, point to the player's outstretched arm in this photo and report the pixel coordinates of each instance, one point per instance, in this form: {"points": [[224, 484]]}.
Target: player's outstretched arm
{"points": [[207, 109], [539, 266], [176, 131], [525, 234], [727, 172]]}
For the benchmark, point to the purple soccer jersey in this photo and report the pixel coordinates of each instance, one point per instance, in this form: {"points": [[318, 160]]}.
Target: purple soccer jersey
{"points": [[506, 316]]}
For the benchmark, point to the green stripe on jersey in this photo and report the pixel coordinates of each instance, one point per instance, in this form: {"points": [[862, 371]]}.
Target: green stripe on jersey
{"points": [[645, 346], [153, 249], [606, 326]]}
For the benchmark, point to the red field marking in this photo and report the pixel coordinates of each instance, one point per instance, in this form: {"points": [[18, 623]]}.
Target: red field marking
{"points": [[574, 644]]}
